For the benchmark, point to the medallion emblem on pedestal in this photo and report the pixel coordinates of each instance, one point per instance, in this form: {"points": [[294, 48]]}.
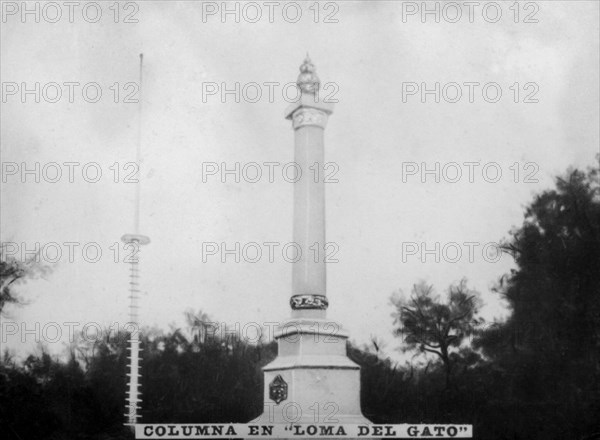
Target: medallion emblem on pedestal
{"points": [[278, 389]]}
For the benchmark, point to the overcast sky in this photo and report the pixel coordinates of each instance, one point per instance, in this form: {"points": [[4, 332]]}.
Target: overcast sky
{"points": [[378, 135]]}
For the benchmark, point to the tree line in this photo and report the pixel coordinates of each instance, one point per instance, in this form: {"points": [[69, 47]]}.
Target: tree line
{"points": [[535, 375]]}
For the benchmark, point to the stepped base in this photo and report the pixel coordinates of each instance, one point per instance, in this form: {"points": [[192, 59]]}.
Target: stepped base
{"points": [[312, 381]]}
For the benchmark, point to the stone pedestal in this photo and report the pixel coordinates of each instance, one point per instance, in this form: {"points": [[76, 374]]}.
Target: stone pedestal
{"points": [[312, 380]]}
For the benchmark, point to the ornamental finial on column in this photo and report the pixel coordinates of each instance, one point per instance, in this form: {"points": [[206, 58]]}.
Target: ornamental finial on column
{"points": [[308, 81]]}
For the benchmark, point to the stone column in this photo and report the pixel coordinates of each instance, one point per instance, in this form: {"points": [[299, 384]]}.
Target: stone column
{"points": [[312, 378], [309, 117]]}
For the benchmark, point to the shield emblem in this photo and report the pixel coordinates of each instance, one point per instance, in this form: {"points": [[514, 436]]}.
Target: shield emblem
{"points": [[278, 389]]}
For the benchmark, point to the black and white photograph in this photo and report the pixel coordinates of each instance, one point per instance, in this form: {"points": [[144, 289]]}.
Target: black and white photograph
{"points": [[300, 219]]}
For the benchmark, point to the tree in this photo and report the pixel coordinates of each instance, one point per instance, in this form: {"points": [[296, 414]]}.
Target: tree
{"points": [[12, 271], [431, 326], [554, 293], [548, 350]]}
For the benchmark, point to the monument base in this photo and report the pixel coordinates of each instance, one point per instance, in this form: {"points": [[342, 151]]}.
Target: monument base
{"points": [[312, 380]]}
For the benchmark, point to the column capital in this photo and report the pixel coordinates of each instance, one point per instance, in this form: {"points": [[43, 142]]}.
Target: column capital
{"points": [[308, 110]]}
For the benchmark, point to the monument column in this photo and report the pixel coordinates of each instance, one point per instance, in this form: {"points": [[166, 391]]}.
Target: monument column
{"points": [[311, 380], [309, 118]]}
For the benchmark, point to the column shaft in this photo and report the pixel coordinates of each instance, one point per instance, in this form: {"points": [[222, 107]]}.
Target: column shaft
{"points": [[309, 274]]}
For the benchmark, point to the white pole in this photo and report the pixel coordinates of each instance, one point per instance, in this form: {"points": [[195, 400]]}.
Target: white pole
{"points": [[136, 240]]}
